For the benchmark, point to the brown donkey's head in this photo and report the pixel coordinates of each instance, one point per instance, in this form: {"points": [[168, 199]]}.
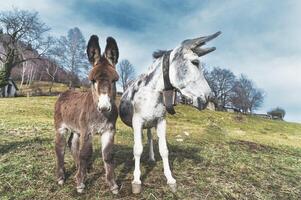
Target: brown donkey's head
{"points": [[103, 74]]}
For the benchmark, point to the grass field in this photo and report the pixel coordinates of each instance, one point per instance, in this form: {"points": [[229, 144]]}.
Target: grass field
{"points": [[214, 155]]}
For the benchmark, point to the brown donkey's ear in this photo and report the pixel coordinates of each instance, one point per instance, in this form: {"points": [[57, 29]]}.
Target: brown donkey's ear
{"points": [[111, 51], [116, 76], [93, 50]]}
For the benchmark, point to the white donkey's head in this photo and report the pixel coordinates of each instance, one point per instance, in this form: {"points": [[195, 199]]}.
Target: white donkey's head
{"points": [[185, 70]]}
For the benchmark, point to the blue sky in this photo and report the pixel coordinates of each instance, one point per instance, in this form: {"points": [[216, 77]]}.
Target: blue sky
{"points": [[260, 39]]}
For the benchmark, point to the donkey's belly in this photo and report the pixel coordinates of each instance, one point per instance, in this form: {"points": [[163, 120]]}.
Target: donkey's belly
{"points": [[126, 111]]}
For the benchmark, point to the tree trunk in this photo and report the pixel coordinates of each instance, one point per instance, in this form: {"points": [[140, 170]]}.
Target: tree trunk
{"points": [[51, 85], [23, 75]]}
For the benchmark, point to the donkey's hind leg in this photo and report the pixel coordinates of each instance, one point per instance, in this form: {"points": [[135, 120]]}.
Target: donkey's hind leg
{"points": [[60, 144], [151, 146], [84, 155], [73, 144], [107, 142], [161, 131]]}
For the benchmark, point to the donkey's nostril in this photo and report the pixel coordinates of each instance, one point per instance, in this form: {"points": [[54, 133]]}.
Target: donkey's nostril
{"points": [[210, 97], [104, 109]]}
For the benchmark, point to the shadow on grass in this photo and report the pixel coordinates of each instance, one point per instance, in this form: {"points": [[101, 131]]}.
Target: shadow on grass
{"points": [[123, 157], [11, 146]]}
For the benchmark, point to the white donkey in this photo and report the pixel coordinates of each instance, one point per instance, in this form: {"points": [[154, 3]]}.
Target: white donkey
{"points": [[145, 102]]}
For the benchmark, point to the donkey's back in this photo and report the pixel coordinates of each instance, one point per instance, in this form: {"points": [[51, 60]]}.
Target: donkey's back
{"points": [[69, 108]]}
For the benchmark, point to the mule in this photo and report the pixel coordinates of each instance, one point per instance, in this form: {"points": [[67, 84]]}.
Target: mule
{"points": [[145, 102], [86, 113]]}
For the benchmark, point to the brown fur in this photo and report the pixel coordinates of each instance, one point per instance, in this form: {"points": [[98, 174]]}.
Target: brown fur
{"points": [[77, 113]]}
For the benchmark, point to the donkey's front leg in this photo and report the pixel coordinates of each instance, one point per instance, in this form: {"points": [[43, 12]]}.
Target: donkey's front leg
{"points": [[151, 154], [138, 148], [85, 152], [107, 142], [161, 131]]}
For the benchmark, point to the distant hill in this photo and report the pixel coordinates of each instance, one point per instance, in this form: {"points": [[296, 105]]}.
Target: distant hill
{"points": [[35, 67], [40, 88]]}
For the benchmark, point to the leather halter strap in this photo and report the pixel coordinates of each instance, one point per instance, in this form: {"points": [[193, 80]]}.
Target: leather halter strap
{"points": [[169, 90]]}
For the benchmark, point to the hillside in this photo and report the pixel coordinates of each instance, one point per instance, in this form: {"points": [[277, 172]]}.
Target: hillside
{"points": [[214, 155], [38, 88]]}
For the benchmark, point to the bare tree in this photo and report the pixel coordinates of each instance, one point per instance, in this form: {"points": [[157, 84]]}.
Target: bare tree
{"points": [[126, 73], [72, 53], [246, 96], [221, 82], [51, 68], [51, 60], [21, 31]]}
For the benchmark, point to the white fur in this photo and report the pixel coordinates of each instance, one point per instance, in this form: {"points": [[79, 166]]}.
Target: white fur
{"points": [[145, 95], [106, 137], [80, 188], [104, 102], [138, 148], [63, 129], [75, 142], [161, 131], [151, 145]]}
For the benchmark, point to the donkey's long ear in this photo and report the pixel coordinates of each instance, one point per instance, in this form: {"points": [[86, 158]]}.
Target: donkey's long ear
{"points": [[196, 44], [111, 51], [93, 50]]}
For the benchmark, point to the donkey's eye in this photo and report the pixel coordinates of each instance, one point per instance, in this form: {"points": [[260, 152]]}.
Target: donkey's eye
{"points": [[195, 62]]}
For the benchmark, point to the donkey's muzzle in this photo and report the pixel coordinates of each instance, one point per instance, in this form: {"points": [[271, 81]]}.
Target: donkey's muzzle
{"points": [[104, 103]]}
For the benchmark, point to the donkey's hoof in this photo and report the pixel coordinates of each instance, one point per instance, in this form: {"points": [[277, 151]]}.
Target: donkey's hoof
{"points": [[173, 187], [80, 188], [151, 160], [136, 188], [115, 189], [61, 181]]}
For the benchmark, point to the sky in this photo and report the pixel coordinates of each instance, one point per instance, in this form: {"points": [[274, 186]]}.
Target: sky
{"points": [[261, 39]]}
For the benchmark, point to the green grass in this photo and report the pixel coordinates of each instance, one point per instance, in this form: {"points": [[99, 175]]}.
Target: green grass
{"points": [[222, 156]]}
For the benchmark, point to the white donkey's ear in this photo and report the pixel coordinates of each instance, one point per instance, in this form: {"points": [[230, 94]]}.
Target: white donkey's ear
{"points": [[93, 50], [195, 44], [111, 51]]}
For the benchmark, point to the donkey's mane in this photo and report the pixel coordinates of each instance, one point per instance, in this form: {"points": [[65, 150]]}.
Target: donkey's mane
{"points": [[160, 53]]}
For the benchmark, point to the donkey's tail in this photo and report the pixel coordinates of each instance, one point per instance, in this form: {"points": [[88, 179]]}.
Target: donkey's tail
{"points": [[70, 140]]}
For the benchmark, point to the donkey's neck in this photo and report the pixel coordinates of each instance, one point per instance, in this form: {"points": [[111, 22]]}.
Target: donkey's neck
{"points": [[155, 74]]}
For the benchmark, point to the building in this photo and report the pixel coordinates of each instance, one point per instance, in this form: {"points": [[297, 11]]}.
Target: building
{"points": [[10, 90]]}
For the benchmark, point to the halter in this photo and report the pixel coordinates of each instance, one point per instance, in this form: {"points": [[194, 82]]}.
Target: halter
{"points": [[169, 90]]}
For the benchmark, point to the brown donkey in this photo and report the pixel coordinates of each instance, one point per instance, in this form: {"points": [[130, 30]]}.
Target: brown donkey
{"points": [[85, 113]]}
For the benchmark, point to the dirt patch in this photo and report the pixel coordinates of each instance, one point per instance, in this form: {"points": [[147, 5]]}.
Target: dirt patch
{"points": [[251, 146], [239, 118]]}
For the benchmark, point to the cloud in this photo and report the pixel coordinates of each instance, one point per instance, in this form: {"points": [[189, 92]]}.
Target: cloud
{"points": [[260, 38]]}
